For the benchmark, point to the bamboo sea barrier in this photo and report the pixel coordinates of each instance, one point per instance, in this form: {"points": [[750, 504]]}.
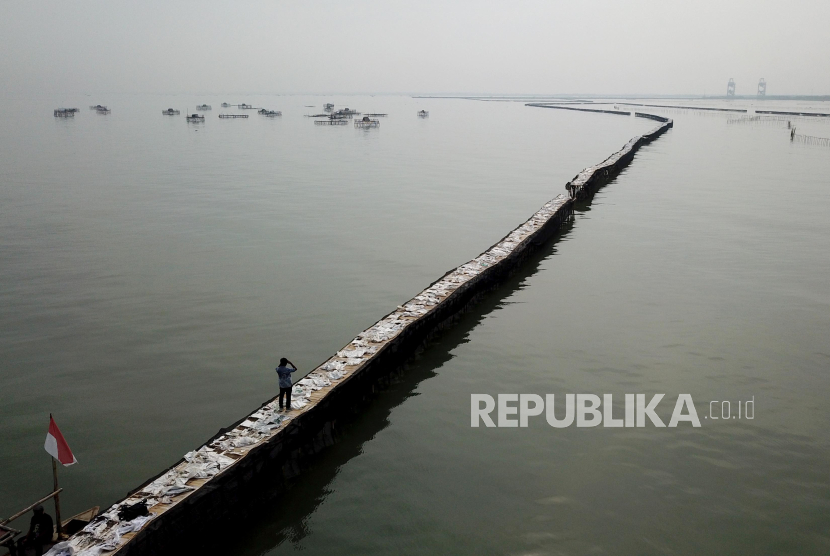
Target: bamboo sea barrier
{"points": [[259, 457], [560, 107], [780, 113], [810, 140], [760, 120], [679, 107]]}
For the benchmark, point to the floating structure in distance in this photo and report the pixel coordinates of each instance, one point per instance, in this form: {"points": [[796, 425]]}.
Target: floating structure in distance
{"points": [[203, 107], [195, 118], [346, 112], [367, 122], [65, 112], [170, 112], [423, 114], [269, 113], [233, 115]]}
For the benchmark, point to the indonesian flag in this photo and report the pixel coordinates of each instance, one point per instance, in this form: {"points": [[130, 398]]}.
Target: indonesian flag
{"points": [[57, 446]]}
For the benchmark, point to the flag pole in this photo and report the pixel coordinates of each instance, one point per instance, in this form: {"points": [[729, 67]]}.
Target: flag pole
{"points": [[57, 496], [57, 499]]}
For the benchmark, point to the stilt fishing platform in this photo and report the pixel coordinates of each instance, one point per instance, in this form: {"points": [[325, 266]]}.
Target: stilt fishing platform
{"points": [[233, 115], [367, 122]]}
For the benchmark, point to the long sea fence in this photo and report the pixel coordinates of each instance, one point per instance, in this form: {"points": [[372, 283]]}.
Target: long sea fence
{"points": [[810, 140], [254, 460]]}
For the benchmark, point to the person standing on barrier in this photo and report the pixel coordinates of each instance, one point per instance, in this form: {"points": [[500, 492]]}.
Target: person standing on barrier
{"points": [[284, 373], [571, 189]]}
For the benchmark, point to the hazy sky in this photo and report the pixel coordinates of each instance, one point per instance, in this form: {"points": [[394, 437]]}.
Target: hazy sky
{"points": [[452, 46]]}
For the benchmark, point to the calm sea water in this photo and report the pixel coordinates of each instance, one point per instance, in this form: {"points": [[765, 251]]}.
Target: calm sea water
{"points": [[152, 272]]}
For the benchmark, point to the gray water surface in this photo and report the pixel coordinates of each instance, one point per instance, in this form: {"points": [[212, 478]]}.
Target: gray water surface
{"points": [[152, 274]]}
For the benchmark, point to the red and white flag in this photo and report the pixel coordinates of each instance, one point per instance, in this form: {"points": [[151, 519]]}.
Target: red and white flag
{"points": [[56, 445]]}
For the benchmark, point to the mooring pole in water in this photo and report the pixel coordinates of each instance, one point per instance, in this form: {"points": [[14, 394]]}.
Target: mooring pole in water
{"points": [[57, 498]]}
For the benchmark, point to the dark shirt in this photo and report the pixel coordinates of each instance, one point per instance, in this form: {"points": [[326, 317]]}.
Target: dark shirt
{"points": [[285, 376], [41, 528]]}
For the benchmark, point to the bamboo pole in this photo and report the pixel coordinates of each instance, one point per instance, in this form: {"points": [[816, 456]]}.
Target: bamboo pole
{"points": [[21, 512], [9, 529], [57, 499]]}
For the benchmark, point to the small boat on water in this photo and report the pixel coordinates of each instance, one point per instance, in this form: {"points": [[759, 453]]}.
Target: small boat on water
{"points": [[225, 105], [65, 112], [244, 106], [100, 109], [195, 118], [423, 114], [328, 107], [170, 112], [203, 107], [17, 547], [269, 113]]}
